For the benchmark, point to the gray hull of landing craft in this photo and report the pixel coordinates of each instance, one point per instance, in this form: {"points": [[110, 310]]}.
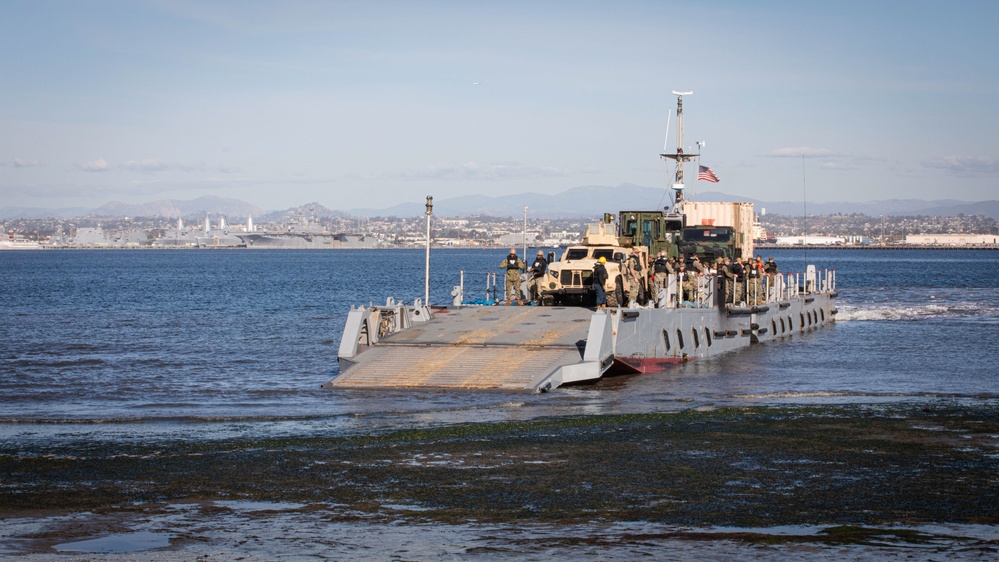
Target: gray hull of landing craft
{"points": [[540, 348]]}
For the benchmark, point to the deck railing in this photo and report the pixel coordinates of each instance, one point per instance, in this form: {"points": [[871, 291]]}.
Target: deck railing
{"points": [[769, 288]]}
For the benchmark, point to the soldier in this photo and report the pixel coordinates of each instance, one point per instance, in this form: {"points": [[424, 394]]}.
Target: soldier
{"points": [[537, 271], [513, 265], [738, 270], [688, 281], [718, 267], [770, 270], [662, 270], [754, 289], [599, 279], [771, 267], [697, 265], [726, 274], [634, 267]]}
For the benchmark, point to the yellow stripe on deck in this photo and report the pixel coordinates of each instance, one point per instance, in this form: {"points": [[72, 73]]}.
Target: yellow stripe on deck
{"points": [[514, 368], [474, 348]]}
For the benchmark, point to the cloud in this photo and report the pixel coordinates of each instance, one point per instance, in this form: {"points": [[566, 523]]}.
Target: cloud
{"points": [[152, 165], [799, 151], [99, 165], [21, 163], [964, 164], [475, 171]]}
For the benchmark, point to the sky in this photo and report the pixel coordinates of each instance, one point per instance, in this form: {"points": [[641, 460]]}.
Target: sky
{"points": [[369, 104]]}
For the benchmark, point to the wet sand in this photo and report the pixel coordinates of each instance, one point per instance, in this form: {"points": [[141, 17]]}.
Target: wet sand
{"points": [[924, 478]]}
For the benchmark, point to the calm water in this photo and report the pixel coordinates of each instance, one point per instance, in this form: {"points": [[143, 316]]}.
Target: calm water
{"points": [[116, 347], [207, 344]]}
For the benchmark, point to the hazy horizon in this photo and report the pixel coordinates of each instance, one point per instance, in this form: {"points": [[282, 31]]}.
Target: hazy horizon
{"points": [[355, 104]]}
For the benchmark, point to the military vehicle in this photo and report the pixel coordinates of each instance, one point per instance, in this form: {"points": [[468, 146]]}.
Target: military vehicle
{"points": [[718, 229], [708, 243], [569, 281]]}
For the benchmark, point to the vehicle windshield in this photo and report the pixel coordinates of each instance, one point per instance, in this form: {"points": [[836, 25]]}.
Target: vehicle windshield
{"points": [[722, 235], [576, 253], [603, 253]]}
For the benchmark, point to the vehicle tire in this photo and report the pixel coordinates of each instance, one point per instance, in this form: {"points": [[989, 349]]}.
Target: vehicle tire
{"points": [[615, 298]]}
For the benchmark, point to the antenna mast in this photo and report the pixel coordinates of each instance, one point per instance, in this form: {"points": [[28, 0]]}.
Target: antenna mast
{"points": [[679, 156]]}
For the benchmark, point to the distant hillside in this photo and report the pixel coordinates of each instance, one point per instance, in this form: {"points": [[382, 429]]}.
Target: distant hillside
{"points": [[40, 213], [888, 207], [584, 201], [588, 201], [593, 201], [307, 211], [176, 208]]}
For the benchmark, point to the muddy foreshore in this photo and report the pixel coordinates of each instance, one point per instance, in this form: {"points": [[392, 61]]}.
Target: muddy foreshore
{"points": [[845, 467]]}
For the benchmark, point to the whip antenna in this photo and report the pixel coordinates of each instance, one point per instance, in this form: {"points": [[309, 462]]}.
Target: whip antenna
{"points": [[669, 114]]}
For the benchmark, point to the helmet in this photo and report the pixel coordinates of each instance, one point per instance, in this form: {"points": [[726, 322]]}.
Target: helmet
{"points": [[602, 259]]}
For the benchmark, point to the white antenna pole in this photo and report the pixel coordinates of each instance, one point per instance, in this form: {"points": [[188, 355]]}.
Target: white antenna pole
{"points": [[426, 276], [666, 140], [525, 233]]}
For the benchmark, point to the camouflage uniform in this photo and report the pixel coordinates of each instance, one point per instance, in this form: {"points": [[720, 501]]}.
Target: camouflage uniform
{"points": [[689, 283], [754, 290], [537, 272], [663, 270], [725, 272], [634, 267], [738, 270], [513, 265], [771, 271], [698, 266]]}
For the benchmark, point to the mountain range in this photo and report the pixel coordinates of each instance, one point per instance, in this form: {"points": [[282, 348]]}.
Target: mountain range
{"points": [[593, 201], [578, 202]]}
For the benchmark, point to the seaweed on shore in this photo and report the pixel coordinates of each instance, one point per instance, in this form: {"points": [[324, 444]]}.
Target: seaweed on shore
{"points": [[743, 467]]}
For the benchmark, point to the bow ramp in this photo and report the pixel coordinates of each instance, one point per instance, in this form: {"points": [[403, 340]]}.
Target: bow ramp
{"points": [[481, 347]]}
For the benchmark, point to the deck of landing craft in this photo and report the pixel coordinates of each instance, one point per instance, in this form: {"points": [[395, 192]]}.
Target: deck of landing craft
{"points": [[511, 348]]}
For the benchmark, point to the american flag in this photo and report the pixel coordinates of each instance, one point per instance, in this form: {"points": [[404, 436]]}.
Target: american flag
{"points": [[705, 173]]}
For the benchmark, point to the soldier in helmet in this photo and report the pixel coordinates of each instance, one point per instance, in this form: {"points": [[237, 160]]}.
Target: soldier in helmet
{"points": [[771, 267], [513, 265], [754, 275], [537, 271], [688, 283], [698, 267], [634, 269], [599, 278], [662, 270], [738, 269], [771, 272]]}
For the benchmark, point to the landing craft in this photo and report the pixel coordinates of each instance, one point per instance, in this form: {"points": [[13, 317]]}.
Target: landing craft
{"points": [[567, 339]]}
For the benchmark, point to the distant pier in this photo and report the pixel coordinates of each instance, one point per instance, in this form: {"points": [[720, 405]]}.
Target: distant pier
{"points": [[877, 247]]}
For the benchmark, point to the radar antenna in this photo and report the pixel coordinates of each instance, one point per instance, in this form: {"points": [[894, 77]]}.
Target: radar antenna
{"points": [[679, 156]]}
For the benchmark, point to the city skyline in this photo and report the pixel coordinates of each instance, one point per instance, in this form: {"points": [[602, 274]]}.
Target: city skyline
{"points": [[367, 105]]}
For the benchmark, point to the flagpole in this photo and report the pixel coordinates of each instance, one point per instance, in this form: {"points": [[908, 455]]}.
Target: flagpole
{"points": [[700, 147]]}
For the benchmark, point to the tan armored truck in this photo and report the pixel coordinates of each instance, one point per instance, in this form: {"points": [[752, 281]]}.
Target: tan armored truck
{"points": [[569, 281]]}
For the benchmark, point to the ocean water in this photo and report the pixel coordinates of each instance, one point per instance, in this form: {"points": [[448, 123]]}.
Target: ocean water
{"points": [[121, 346], [109, 343]]}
